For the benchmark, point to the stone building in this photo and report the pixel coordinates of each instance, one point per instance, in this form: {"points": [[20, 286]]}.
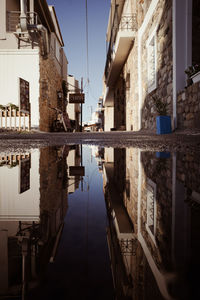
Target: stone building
{"points": [[32, 60], [149, 50]]}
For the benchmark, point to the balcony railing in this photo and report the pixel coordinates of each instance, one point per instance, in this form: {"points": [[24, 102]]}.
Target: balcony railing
{"points": [[128, 23], [13, 20]]}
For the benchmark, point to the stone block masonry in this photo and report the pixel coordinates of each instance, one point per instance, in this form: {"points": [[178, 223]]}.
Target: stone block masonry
{"points": [[188, 107], [50, 83], [162, 18]]}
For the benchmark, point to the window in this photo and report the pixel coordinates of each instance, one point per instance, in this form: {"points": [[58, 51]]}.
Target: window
{"points": [[151, 209], [151, 62]]}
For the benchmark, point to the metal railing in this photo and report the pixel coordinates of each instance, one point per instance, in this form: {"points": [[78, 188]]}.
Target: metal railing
{"points": [[127, 23], [13, 20]]}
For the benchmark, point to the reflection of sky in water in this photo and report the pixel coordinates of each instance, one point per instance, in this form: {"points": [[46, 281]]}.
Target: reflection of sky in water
{"points": [[83, 253], [135, 211]]}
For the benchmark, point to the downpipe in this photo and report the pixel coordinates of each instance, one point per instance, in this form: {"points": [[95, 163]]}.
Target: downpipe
{"points": [[44, 32], [26, 27], [23, 16]]}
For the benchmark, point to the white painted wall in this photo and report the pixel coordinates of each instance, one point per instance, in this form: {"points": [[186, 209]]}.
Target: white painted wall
{"points": [[71, 163], [15, 206], [2, 19], [73, 84], [109, 118], [109, 155], [127, 9], [24, 64]]}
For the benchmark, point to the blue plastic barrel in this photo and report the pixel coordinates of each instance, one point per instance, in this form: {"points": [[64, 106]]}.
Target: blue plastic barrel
{"points": [[163, 124]]}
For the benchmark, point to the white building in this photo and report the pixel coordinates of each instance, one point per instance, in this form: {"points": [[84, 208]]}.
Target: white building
{"points": [[73, 109], [31, 48]]}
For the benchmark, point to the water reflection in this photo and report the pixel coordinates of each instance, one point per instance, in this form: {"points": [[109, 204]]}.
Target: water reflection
{"points": [[75, 220], [33, 204], [153, 204]]}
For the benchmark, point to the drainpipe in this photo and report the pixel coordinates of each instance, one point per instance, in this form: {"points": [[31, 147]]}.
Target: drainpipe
{"points": [[45, 36], [44, 32], [23, 17]]}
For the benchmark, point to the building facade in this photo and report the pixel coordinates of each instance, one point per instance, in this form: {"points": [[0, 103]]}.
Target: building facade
{"points": [[73, 109], [149, 51], [32, 59]]}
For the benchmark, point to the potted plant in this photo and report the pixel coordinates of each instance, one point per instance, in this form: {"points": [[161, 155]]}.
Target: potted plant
{"points": [[193, 73], [163, 121]]}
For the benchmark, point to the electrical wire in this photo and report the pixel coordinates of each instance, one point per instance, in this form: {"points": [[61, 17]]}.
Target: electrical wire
{"points": [[87, 48], [87, 51]]}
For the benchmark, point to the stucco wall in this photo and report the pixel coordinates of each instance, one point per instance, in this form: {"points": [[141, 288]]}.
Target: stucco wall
{"points": [[24, 64], [2, 19], [73, 86], [16, 206], [109, 117]]}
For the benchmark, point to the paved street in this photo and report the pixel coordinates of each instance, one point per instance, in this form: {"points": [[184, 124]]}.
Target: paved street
{"points": [[180, 140]]}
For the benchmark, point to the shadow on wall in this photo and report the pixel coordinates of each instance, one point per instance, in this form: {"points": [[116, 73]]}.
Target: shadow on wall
{"points": [[120, 104]]}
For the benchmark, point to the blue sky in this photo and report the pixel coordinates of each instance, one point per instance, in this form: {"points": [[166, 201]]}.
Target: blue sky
{"points": [[72, 19]]}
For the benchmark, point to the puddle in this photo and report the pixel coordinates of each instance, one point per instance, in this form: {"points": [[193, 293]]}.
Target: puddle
{"points": [[99, 223]]}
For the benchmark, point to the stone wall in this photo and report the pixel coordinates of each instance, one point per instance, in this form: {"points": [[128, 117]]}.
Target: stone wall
{"points": [[158, 170], [120, 169], [50, 83], [53, 182], [120, 104], [162, 18], [131, 185], [188, 107], [188, 166], [131, 67]]}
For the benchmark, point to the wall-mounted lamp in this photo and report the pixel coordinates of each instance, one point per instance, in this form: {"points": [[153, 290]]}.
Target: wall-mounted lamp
{"points": [[59, 94]]}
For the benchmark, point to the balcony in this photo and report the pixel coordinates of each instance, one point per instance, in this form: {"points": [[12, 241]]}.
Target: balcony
{"points": [[13, 20], [119, 49]]}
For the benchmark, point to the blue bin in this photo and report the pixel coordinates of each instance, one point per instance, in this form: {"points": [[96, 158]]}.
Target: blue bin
{"points": [[163, 154], [163, 125]]}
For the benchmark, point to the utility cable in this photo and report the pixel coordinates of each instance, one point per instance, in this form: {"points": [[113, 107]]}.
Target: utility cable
{"points": [[87, 48]]}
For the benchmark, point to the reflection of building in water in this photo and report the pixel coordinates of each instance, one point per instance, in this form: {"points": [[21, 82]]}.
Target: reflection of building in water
{"points": [[98, 153], [120, 233], [19, 210], [30, 222], [75, 170], [160, 194], [23, 160]]}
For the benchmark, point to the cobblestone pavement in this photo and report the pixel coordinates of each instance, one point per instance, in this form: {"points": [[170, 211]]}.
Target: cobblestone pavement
{"points": [[187, 140]]}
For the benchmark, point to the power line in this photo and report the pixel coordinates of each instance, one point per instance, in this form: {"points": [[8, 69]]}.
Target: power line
{"points": [[87, 50]]}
